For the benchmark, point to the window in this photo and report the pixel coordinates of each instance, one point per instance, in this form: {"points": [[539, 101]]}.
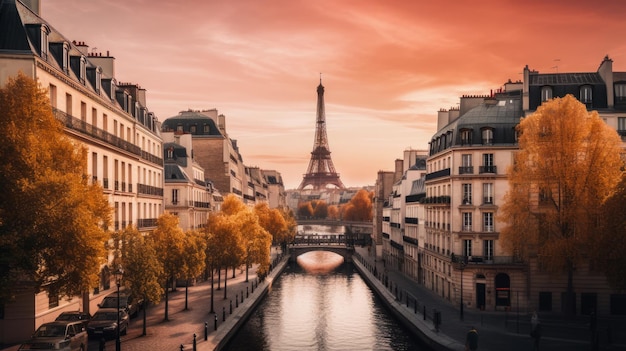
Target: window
{"points": [[466, 137], [467, 194], [174, 196], [488, 166], [488, 250], [545, 301], [179, 128], [105, 172], [94, 166], [206, 128], [53, 95], [94, 117], [488, 193], [44, 42], [487, 135], [467, 247], [467, 222], [546, 93], [105, 122], [620, 93], [488, 222], [621, 125], [192, 129], [83, 111], [83, 70], [170, 153], [66, 58], [68, 104], [585, 95]]}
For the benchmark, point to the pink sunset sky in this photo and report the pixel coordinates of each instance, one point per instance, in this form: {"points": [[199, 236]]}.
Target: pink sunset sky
{"points": [[387, 66]]}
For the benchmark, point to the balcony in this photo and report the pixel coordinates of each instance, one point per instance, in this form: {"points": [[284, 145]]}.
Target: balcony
{"points": [[488, 169], [438, 174], [466, 170], [97, 133], [437, 200], [481, 260], [149, 190], [146, 222]]}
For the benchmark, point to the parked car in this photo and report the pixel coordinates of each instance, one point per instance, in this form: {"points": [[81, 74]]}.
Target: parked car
{"points": [[74, 316], [104, 323], [58, 335], [128, 303]]}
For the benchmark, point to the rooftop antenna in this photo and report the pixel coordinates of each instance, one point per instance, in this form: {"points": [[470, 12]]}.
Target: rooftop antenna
{"points": [[557, 65]]}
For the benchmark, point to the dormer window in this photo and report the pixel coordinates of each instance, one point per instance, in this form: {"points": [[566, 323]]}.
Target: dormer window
{"points": [[98, 79], [65, 64], [44, 42], [585, 95], [82, 69], [546, 93], [466, 137], [620, 93], [487, 136]]}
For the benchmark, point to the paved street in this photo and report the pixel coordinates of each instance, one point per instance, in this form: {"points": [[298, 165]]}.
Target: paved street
{"points": [[497, 330]]}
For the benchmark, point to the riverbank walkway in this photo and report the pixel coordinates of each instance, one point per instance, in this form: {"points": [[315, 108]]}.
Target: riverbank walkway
{"points": [[496, 330]]}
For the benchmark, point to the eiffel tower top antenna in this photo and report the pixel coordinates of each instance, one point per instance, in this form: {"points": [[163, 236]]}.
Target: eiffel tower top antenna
{"points": [[321, 171]]}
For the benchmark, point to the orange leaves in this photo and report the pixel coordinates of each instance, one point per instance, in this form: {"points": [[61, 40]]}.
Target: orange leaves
{"points": [[568, 162]]}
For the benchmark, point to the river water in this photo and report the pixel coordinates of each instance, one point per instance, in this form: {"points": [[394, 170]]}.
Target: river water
{"points": [[321, 304]]}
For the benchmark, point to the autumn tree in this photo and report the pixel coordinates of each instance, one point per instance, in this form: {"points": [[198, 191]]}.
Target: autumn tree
{"points": [[272, 220], [194, 257], [359, 208], [333, 212], [169, 241], [291, 228], [142, 269], [568, 163], [320, 210], [52, 218], [610, 245], [224, 245], [305, 210], [256, 241]]}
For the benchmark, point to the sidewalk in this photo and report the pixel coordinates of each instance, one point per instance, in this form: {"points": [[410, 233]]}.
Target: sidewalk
{"points": [[497, 330], [183, 324]]}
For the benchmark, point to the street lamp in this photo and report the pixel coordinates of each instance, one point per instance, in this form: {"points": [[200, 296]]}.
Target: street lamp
{"points": [[461, 266], [118, 279]]}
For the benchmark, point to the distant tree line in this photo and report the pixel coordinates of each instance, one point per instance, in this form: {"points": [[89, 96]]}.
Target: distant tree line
{"points": [[359, 208]]}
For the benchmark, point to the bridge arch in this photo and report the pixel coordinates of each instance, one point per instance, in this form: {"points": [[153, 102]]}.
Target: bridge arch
{"points": [[343, 251]]}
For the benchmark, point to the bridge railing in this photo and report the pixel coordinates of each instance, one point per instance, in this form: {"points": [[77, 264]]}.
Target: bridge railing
{"points": [[330, 239]]}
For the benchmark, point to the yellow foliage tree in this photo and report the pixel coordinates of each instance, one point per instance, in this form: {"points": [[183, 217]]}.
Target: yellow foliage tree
{"points": [[52, 219], [568, 163], [360, 207], [169, 241], [141, 266]]}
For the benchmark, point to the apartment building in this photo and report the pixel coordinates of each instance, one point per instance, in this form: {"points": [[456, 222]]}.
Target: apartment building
{"points": [[187, 192], [111, 119]]}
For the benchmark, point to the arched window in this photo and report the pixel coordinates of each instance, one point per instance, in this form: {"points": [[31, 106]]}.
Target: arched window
{"points": [[466, 137], [585, 95], [487, 136], [546, 93]]}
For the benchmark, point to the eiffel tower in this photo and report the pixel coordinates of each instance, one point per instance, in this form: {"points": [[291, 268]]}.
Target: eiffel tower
{"points": [[321, 171]]}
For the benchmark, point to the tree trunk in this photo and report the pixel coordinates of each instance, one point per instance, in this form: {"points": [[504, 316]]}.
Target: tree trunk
{"points": [[234, 272], [247, 270], [186, 294], [569, 295], [212, 285], [166, 300], [145, 307], [219, 278], [225, 280]]}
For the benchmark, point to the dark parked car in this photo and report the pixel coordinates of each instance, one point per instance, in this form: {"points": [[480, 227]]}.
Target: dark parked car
{"points": [[104, 323], [128, 303], [59, 335], [74, 316]]}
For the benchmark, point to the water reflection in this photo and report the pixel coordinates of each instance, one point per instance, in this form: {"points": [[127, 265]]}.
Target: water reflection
{"points": [[319, 262], [321, 309]]}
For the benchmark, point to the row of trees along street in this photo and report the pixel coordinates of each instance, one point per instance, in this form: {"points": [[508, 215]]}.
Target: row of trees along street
{"points": [[359, 208], [54, 222]]}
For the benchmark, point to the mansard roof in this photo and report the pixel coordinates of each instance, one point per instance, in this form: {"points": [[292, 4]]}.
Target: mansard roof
{"points": [[174, 173], [500, 114], [565, 78], [192, 122]]}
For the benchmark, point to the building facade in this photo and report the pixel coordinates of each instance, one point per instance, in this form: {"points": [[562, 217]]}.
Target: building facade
{"points": [[109, 118], [187, 193]]}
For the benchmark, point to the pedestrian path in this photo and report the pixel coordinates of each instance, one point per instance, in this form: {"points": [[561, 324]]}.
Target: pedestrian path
{"points": [[496, 330]]}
